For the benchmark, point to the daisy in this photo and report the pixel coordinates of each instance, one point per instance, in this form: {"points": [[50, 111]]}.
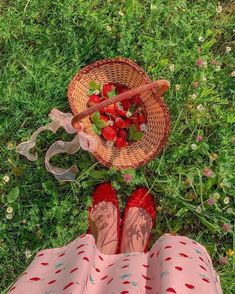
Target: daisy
{"points": [[200, 107], [6, 179], [172, 67], [193, 96], [226, 200], [10, 209], [194, 147], [28, 253], [201, 39], [219, 9], [177, 87]]}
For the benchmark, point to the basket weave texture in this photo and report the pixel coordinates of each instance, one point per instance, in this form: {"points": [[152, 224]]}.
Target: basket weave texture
{"points": [[127, 72]]}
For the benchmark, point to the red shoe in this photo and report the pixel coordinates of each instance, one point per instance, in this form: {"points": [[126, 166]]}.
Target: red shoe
{"points": [[140, 198], [105, 192]]}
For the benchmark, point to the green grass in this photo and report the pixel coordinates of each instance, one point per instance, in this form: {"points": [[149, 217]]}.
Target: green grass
{"points": [[43, 44]]}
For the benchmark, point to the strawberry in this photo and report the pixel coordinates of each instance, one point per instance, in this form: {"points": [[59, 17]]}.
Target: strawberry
{"points": [[104, 117], [122, 134], [141, 118], [121, 112], [110, 110], [114, 126], [109, 133], [120, 123], [134, 118], [121, 88], [119, 109], [121, 143], [126, 104], [136, 100], [128, 122], [106, 89], [94, 98], [138, 126]]}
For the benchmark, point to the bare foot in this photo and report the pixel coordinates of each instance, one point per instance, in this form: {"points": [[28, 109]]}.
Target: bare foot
{"points": [[103, 223], [136, 231]]}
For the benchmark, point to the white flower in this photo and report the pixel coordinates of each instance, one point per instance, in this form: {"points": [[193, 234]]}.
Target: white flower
{"points": [[128, 114], [200, 108], [226, 200], [204, 79], [199, 209], [10, 145], [218, 68], [230, 210], [193, 96], [216, 196], [228, 49], [219, 9], [172, 67], [177, 87], [9, 209], [9, 215], [6, 179], [143, 127], [201, 39], [109, 28], [28, 253], [194, 147], [120, 13], [233, 74]]}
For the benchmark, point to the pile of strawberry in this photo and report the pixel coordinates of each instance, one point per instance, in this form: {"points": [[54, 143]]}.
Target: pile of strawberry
{"points": [[120, 123]]}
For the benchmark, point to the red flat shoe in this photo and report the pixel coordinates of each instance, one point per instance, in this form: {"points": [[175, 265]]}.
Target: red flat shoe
{"points": [[143, 199], [105, 192]]}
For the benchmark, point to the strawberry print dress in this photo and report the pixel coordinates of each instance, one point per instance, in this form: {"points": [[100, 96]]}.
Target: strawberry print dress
{"points": [[175, 264]]}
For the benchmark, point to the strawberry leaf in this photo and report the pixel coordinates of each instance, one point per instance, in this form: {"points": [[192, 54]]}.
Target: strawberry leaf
{"points": [[91, 92], [96, 130], [100, 124], [132, 109], [112, 93], [138, 136], [94, 86], [133, 134], [95, 117]]}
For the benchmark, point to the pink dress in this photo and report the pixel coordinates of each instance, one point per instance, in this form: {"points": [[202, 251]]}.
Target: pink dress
{"points": [[175, 264]]}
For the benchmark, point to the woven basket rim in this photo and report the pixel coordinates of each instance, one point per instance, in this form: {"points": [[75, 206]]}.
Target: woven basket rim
{"points": [[85, 70]]}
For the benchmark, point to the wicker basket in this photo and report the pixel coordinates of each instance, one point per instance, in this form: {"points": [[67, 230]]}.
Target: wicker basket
{"points": [[124, 71]]}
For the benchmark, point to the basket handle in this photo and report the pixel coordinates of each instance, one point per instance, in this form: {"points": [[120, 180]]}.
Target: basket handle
{"points": [[159, 87]]}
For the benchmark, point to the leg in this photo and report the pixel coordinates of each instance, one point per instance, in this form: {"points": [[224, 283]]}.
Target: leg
{"points": [[139, 218], [104, 219]]}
